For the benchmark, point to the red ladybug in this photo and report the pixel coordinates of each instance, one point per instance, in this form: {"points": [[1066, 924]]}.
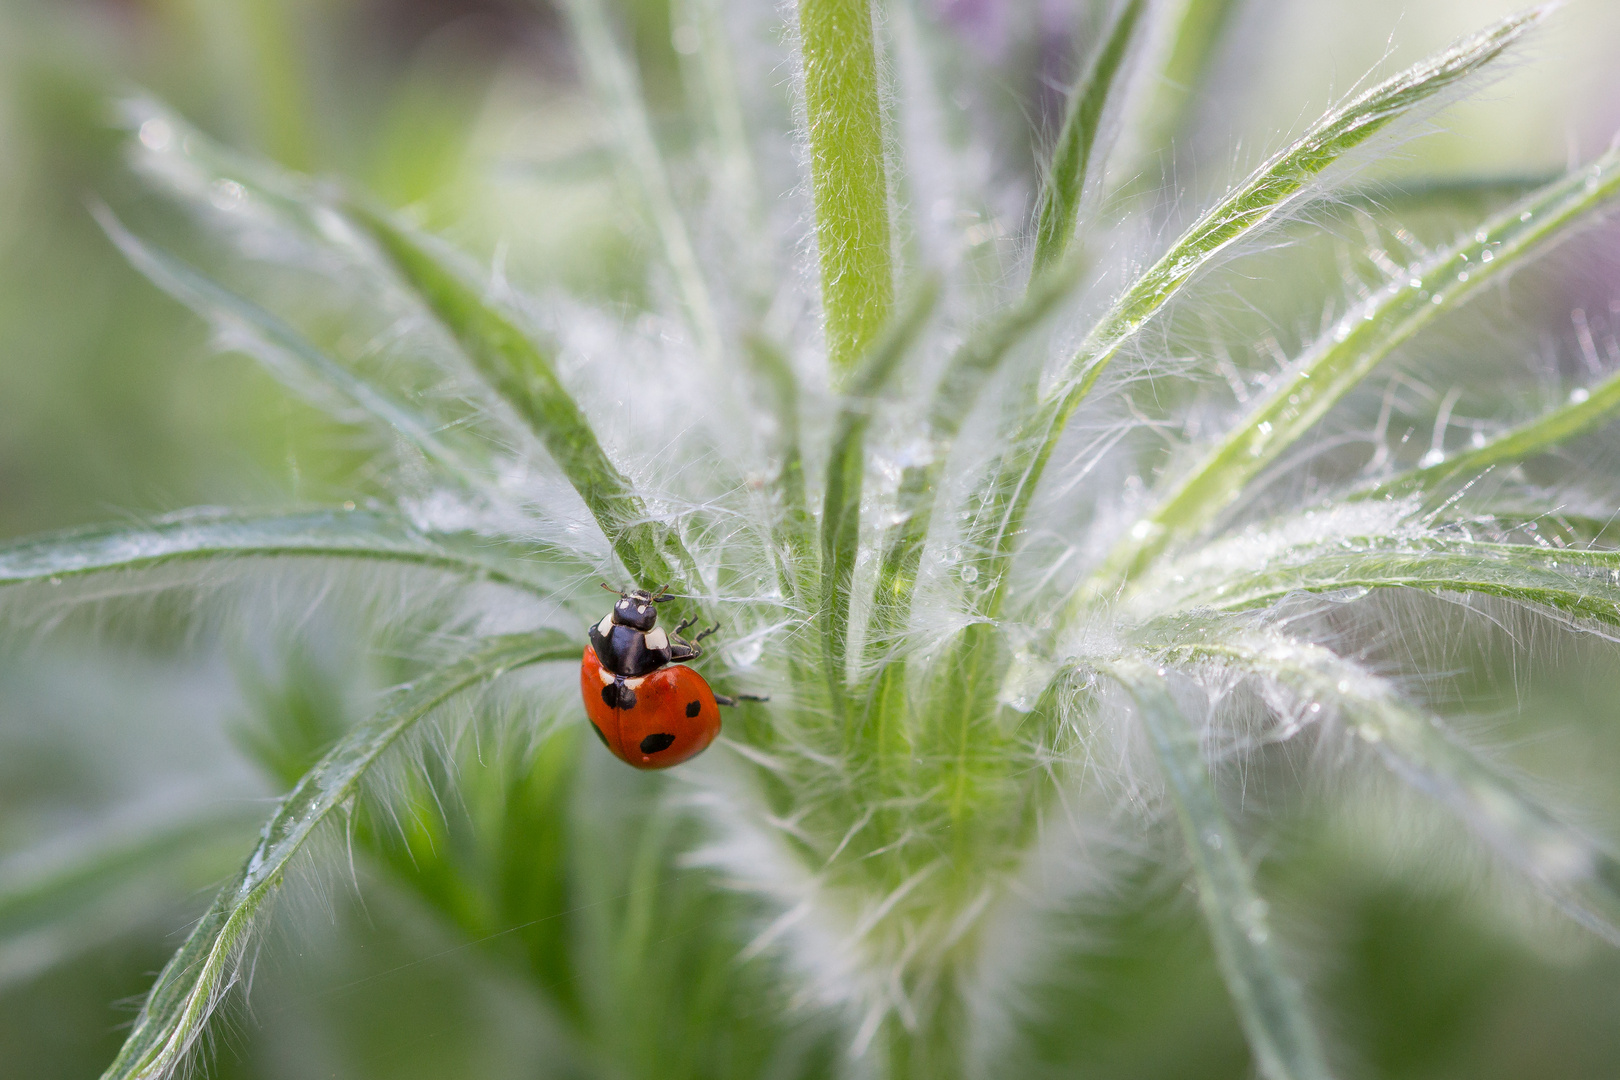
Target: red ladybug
{"points": [[647, 708]]}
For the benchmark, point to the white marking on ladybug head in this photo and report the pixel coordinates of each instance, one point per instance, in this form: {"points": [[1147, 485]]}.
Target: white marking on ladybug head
{"points": [[657, 639], [641, 609], [605, 627]]}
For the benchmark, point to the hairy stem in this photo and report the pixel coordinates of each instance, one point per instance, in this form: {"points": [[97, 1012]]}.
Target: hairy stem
{"points": [[848, 175]]}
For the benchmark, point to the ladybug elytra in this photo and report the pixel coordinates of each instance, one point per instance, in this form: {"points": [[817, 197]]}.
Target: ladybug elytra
{"points": [[647, 707]]}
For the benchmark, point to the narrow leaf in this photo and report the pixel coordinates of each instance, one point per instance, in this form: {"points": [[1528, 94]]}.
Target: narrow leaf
{"points": [[794, 533], [848, 175], [966, 374], [1059, 207], [1339, 362], [328, 534], [1577, 872], [1586, 410], [1268, 1002], [206, 966], [1276, 185], [1475, 196], [287, 347], [1190, 31], [1582, 584], [518, 370], [846, 471], [620, 92]]}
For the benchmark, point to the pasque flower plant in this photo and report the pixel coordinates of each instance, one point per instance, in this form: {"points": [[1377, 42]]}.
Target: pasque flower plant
{"points": [[888, 457]]}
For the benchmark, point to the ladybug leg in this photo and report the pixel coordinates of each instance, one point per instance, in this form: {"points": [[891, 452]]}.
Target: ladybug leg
{"points": [[701, 634], [682, 625], [722, 699]]}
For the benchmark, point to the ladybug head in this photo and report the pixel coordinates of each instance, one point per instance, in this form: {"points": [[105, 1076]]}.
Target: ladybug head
{"points": [[638, 609]]}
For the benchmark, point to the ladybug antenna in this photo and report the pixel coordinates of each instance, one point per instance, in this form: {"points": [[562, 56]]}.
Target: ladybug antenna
{"points": [[610, 588], [659, 597]]}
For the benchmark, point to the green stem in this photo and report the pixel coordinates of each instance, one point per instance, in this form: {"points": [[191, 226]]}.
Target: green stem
{"points": [[848, 175]]}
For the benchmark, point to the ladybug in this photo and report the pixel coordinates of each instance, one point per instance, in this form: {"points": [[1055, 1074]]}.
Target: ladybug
{"points": [[649, 709]]}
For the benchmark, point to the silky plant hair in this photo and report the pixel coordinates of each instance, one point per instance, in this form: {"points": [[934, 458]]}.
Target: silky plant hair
{"points": [[1036, 530]]}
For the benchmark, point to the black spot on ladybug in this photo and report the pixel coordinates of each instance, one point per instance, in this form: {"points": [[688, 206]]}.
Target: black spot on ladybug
{"points": [[618, 696], [693, 708], [656, 742], [601, 736]]}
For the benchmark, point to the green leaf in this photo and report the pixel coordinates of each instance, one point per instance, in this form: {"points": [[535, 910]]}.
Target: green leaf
{"points": [[1276, 185], [846, 472], [1586, 410], [793, 531], [848, 175], [518, 370], [1192, 31], [1582, 584], [711, 75], [1476, 196], [1339, 362], [1268, 1002], [206, 966], [284, 346], [1059, 206], [966, 374], [618, 88], [1577, 872], [330, 534]]}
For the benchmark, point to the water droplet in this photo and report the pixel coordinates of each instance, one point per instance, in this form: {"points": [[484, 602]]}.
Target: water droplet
{"points": [[1141, 530], [1344, 686], [1258, 934], [1432, 458], [226, 194], [1437, 300], [970, 574], [1463, 276], [1477, 439], [1213, 841], [156, 134], [1487, 256], [1526, 216], [1316, 707], [1579, 395]]}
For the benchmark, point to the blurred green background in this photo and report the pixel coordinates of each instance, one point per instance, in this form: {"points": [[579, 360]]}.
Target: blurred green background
{"points": [[112, 404]]}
